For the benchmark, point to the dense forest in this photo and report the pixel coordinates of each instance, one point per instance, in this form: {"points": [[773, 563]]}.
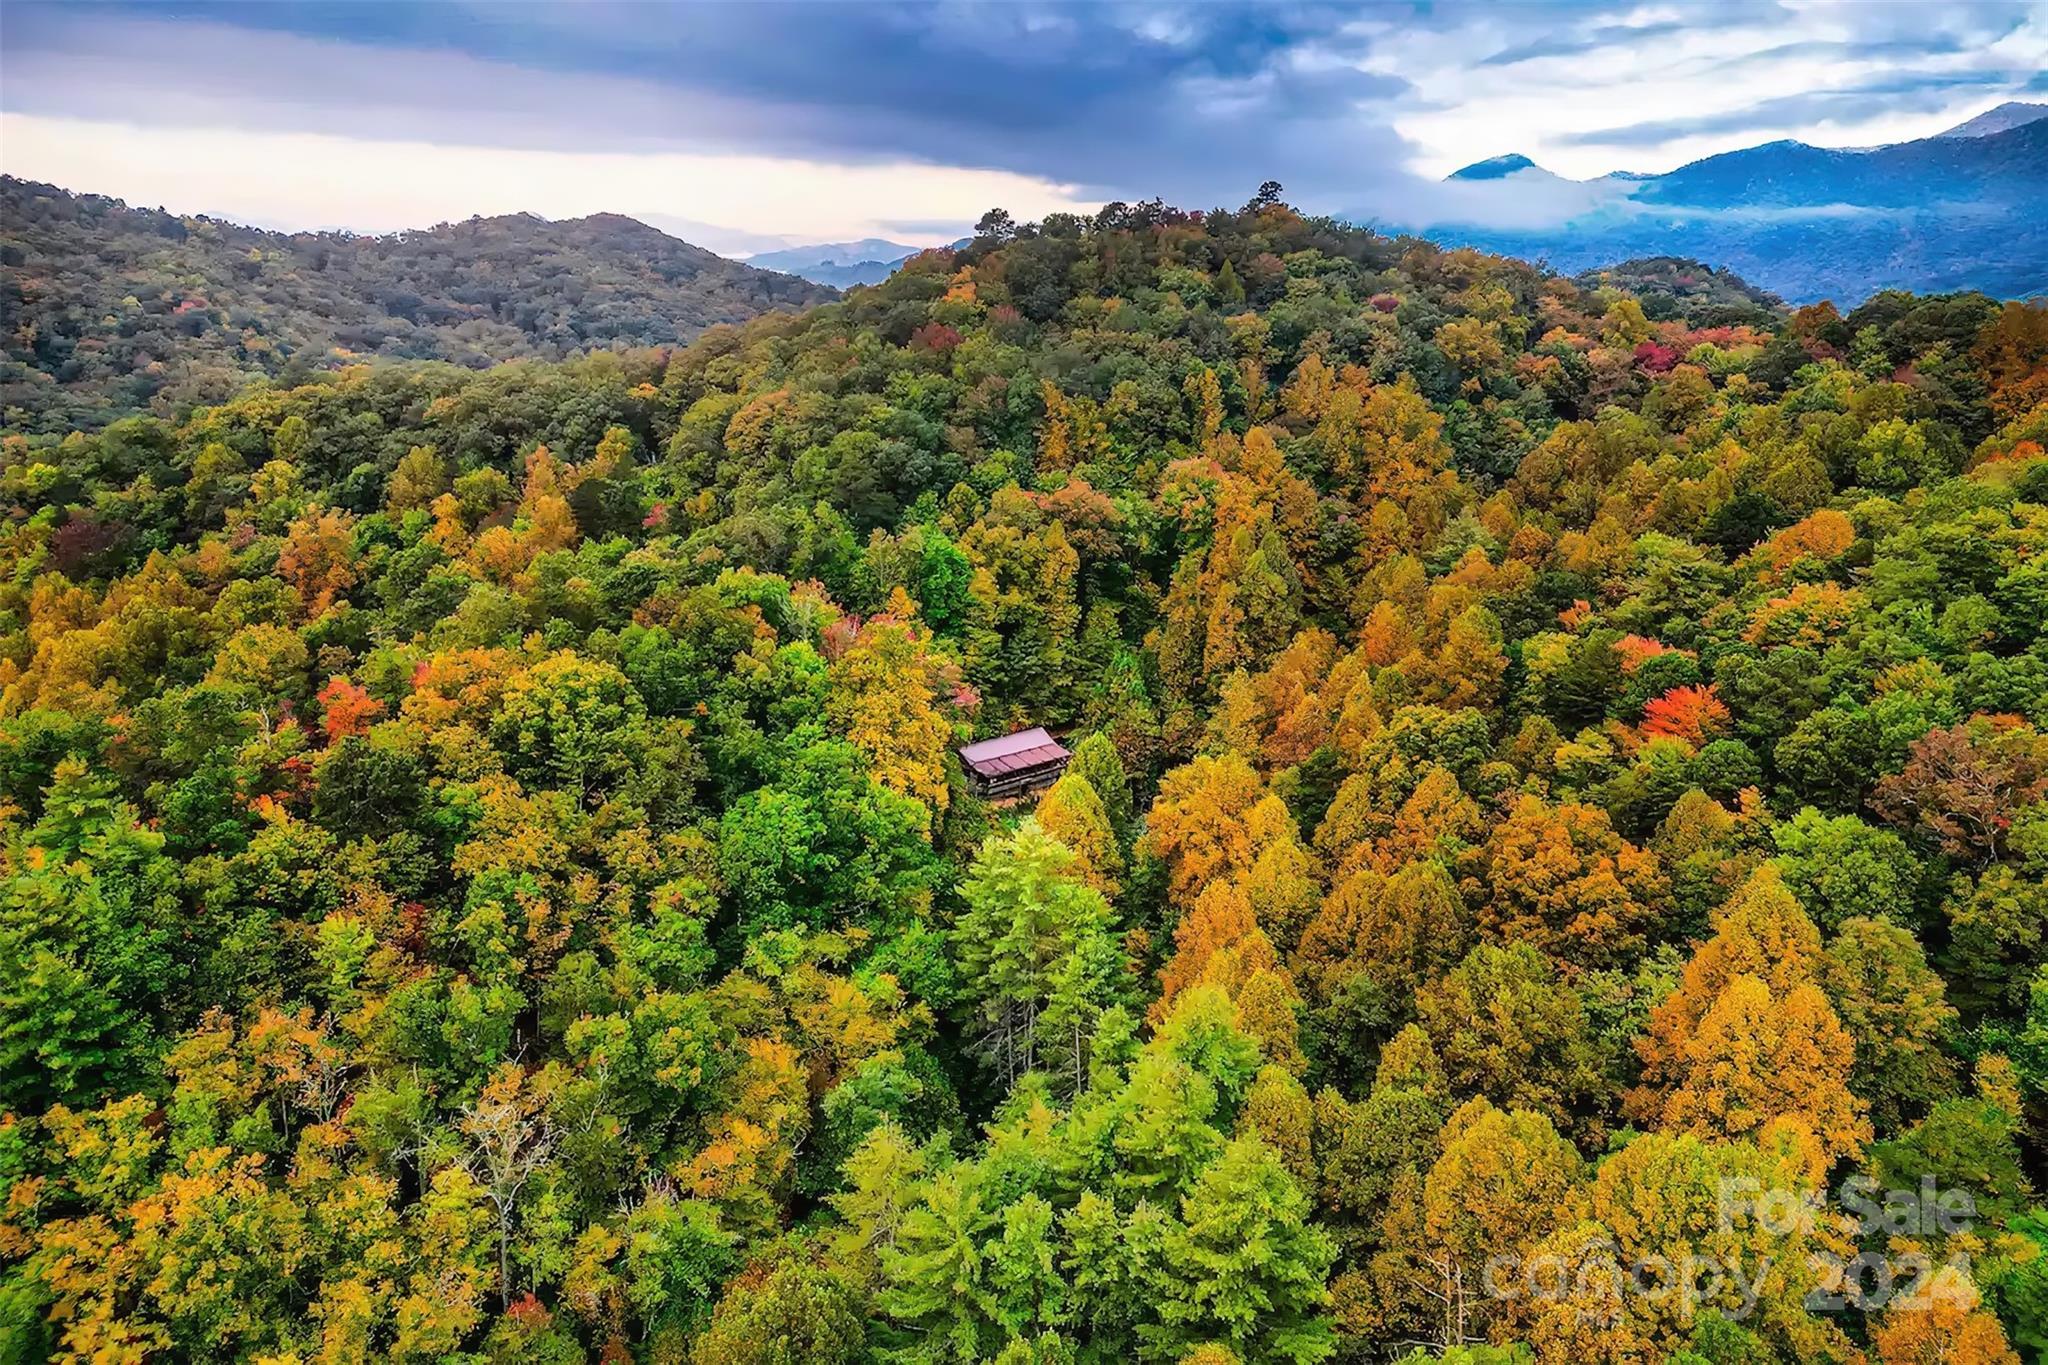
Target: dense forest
{"points": [[1553, 866], [107, 310], [1675, 287]]}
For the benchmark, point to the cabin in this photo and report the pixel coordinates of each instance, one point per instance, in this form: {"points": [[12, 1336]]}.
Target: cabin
{"points": [[1014, 765]]}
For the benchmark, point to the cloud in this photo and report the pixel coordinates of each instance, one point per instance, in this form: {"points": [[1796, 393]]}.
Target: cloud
{"points": [[1849, 106], [1348, 106], [1559, 45], [1122, 101], [924, 229], [1650, 88], [293, 181]]}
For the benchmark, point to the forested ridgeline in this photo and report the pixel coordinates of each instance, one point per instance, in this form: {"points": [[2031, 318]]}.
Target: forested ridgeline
{"points": [[107, 310], [487, 877]]}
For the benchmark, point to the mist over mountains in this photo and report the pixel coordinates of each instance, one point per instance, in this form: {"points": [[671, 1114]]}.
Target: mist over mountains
{"points": [[839, 264], [1953, 211]]}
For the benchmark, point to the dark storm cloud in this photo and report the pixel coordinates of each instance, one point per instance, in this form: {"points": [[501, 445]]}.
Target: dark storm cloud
{"points": [[1197, 103], [1193, 102], [1183, 99]]}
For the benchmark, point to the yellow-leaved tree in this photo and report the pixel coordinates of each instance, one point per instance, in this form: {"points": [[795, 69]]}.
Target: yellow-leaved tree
{"points": [[1748, 1043], [1073, 813], [885, 700], [1212, 819]]}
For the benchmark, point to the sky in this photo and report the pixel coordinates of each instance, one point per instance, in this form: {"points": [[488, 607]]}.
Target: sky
{"points": [[746, 126]]}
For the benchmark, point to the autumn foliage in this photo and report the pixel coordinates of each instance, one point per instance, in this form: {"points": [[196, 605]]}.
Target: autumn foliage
{"points": [[486, 872], [1690, 714]]}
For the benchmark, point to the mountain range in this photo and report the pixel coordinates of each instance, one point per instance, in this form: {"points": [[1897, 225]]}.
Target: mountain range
{"points": [[106, 309], [841, 265], [1952, 211]]}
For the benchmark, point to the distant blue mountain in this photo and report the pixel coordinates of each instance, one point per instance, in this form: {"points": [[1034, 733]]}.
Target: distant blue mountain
{"points": [[1956, 211], [839, 264], [2007, 166]]}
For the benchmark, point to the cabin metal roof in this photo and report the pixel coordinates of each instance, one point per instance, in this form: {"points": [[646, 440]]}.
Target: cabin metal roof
{"points": [[1031, 748]]}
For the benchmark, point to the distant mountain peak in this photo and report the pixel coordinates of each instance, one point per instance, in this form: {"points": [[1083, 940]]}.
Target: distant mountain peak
{"points": [[839, 264], [2011, 114], [1495, 167]]}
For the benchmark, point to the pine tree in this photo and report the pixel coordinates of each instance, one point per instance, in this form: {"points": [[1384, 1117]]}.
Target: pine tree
{"points": [[1036, 953]]}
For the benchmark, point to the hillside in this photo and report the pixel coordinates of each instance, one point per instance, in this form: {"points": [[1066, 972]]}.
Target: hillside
{"points": [[486, 873], [1674, 287], [108, 309], [1955, 211]]}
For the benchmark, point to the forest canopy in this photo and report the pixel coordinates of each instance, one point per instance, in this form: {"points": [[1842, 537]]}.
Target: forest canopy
{"points": [[487, 876]]}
